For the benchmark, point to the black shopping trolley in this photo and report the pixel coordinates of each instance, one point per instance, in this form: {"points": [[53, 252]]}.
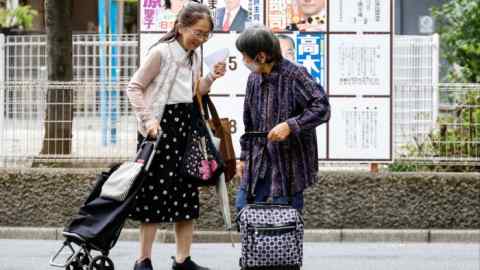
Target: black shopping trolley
{"points": [[98, 224]]}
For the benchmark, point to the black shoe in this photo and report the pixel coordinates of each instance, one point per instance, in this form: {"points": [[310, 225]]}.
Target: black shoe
{"points": [[188, 264], [145, 264]]}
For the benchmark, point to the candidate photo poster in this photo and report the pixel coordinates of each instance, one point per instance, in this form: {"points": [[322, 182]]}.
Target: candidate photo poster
{"points": [[297, 15], [308, 50], [156, 16], [235, 15]]}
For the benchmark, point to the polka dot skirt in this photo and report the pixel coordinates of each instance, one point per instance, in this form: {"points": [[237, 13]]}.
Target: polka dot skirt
{"points": [[166, 196]]}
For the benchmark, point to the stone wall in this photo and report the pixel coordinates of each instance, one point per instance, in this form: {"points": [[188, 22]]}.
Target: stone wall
{"points": [[50, 197]]}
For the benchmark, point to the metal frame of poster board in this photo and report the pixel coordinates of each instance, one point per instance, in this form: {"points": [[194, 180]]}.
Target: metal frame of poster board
{"points": [[327, 73]]}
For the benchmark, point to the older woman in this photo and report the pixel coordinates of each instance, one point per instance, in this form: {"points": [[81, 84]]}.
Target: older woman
{"points": [[284, 100]]}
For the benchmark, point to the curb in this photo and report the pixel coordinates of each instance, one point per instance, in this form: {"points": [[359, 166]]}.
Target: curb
{"points": [[324, 235]]}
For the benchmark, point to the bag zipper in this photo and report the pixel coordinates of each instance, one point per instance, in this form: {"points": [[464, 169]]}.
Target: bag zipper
{"points": [[273, 227]]}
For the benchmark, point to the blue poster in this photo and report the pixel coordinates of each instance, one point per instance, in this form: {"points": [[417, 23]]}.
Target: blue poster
{"points": [[311, 53]]}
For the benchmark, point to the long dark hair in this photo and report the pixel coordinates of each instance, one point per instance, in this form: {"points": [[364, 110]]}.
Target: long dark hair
{"points": [[189, 15]]}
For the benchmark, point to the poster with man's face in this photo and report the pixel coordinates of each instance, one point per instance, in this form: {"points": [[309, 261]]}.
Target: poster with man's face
{"points": [[297, 15], [235, 15]]}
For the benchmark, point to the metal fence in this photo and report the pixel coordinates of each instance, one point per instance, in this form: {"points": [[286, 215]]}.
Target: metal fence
{"points": [[415, 69], [455, 138], [416, 60], [95, 57], [99, 106], [94, 112], [102, 64]]}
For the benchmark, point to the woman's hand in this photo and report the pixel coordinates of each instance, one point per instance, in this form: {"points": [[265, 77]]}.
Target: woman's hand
{"points": [[152, 129], [219, 70], [279, 133], [240, 167]]}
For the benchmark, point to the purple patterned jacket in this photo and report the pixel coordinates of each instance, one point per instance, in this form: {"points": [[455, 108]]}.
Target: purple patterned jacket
{"points": [[289, 93]]}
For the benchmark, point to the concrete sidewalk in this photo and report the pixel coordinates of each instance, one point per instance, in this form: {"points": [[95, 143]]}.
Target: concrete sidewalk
{"points": [[341, 235]]}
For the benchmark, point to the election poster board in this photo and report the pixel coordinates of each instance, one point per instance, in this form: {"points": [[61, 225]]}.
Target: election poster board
{"points": [[346, 46]]}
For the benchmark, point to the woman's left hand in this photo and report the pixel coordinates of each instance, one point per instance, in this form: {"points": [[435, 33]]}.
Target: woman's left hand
{"points": [[279, 133], [219, 70]]}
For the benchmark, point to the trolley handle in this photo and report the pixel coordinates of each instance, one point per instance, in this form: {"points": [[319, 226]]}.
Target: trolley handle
{"points": [[255, 134], [151, 142]]}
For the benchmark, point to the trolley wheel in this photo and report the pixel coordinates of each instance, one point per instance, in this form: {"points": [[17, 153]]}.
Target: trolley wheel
{"points": [[80, 262], [83, 260], [73, 266], [101, 263]]}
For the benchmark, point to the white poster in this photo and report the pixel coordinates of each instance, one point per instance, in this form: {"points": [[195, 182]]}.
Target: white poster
{"points": [[322, 141], [235, 80], [360, 15], [359, 65], [360, 128], [232, 108], [147, 40]]}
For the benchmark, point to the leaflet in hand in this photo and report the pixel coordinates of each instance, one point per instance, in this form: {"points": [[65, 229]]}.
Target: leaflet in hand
{"points": [[216, 57]]}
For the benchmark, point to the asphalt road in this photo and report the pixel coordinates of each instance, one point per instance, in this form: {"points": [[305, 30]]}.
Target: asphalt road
{"points": [[35, 254]]}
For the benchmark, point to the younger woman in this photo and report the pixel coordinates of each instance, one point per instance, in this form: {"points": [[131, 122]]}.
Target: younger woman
{"points": [[164, 83]]}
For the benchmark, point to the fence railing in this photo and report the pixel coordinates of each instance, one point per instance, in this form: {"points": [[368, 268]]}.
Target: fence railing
{"points": [[101, 127], [416, 60], [95, 57], [102, 64], [455, 137], [415, 77]]}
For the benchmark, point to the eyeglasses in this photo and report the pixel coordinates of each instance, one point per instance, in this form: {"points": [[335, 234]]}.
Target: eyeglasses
{"points": [[200, 35]]}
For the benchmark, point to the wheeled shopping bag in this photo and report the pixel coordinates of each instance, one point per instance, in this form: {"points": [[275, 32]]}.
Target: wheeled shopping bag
{"points": [[98, 224], [271, 234]]}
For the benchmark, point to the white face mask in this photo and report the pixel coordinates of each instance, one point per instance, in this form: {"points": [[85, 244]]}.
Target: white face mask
{"points": [[252, 66]]}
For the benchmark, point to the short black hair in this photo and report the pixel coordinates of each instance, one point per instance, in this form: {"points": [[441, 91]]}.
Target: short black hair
{"points": [[258, 38]]}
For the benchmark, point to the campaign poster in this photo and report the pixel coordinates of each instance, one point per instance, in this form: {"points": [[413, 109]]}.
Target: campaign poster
{"points": [[235, 15], [156, 16], [311, 53], [297, 15]]}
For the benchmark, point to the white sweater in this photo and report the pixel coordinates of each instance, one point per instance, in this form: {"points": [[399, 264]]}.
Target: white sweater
{"points": [[166, 66]]}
